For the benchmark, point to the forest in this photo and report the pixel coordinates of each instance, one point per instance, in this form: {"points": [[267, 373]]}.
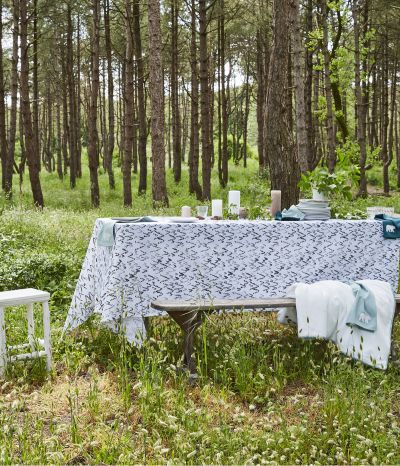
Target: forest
{"points": [[114, 111], [147, 88]]}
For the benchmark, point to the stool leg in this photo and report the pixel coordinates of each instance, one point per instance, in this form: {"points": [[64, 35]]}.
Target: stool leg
{"points": [[46, 331], [3, 348], [31, 326]]}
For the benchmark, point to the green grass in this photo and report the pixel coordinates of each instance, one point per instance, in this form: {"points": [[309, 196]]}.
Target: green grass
{"points": [[263, 396]]}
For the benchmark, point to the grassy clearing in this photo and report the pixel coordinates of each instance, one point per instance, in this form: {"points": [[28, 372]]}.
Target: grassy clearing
{"points": [[263, 397]]}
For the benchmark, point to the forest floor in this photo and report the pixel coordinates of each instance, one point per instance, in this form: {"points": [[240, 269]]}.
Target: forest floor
{"points": [[264, 396]]}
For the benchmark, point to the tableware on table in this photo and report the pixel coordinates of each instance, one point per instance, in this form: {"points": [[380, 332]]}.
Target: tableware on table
{"points": [[202, 211], [243, 213], [314, 209], [276, 202], [216, 208], [183, 219], [186, 211], [375, 210], [234, 202]]}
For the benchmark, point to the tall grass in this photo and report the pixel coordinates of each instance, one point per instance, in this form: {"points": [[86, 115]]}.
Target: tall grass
{"points": [[263, 395]]}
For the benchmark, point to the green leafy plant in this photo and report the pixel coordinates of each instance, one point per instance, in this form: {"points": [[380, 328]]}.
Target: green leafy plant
{"points": [[326, 183], [341, 181]]}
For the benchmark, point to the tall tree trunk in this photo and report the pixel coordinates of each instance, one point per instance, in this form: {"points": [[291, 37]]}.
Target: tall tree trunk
{"points": [[3, 134], [194, 153], [204, 101], [35, 79], [92, 118], [159, 185], [129, 111], [32, 152], [78, 101], [312, 158], [71, 100], [361, 104], [261, 95], [14, 102], [280, 147], [331, 156], [141, 99], [298, 76], [108, 157], [385, 114], [224, 100], [59, 142], [176, 117], [393, 89], [246, 113]]}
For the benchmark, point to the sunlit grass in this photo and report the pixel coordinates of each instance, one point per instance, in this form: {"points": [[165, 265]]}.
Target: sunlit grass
{"points": [[263, 395]]}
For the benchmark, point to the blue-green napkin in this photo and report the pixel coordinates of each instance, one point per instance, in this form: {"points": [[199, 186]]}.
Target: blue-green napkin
{"points": [[363, 312], [391, 226], [107, 231], [291, 214]]}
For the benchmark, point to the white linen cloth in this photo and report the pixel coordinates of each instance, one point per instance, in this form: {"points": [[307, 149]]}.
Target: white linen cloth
{"points": [[322, 309], [222, 259]]}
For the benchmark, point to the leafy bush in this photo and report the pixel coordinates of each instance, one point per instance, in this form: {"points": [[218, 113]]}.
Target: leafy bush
{"points": [[341, 181], [45, 271]]}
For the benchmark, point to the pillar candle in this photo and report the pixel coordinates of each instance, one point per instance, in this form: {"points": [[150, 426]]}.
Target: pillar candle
{"points": [[186, 211], [275, 202], [216, 208], [234, 202]]}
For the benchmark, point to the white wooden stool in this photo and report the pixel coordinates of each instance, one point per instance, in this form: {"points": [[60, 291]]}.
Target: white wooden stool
{"points": [[26, 297]]}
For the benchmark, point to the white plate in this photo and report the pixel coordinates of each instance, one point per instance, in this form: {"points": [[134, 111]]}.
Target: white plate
{"points": [[183, 219]]}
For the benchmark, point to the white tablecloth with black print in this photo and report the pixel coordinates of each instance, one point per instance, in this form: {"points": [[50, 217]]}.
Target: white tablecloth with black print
{"points": [[223, 259]]}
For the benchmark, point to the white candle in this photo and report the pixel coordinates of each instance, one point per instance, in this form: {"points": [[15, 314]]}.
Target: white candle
{"points": [[234, 202], [186, 211], [216, 208], [276, 206]]}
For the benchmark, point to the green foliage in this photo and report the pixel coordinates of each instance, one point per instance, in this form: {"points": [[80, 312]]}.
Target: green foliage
{"points": [[264, 396], [340, 182]]}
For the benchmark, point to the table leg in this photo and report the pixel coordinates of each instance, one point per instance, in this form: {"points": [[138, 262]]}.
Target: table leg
{"points": [[188, 321], [46, 331], [3, 347]]}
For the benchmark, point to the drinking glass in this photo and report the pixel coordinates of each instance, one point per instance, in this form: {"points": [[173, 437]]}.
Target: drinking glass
{"points": [[202, 211]]}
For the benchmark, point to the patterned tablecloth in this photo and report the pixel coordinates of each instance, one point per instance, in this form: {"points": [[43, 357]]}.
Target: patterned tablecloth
{"points": [[223, 259]]}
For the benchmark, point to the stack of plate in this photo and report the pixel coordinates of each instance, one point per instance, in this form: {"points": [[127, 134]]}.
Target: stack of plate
{"points": [[314, 210]]}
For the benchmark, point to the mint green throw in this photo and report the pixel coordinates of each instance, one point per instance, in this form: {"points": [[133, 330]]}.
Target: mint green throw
{"points": [[363, 312]]}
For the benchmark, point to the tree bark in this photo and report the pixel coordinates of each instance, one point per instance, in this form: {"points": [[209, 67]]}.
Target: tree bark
{"points": [[204, 101], [298, 76], [361, 104], [92, 117], [159, 186], [108, 157], [14, 102], [73, 162], [194, 153], [224, 101], [32, 152], [3, 134], [385, 114], [176, 117], [36, 129], [129, 112], [142, 146], [331, 156], [280, 147]]}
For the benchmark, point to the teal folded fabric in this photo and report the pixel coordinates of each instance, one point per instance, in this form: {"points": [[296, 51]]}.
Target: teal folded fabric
{"points": [[291, 214], [106, 234], [107, 231], [391, 226], [363, 313]]}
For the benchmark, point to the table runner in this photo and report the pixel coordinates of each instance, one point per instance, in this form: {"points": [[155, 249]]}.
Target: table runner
{"points": [[223, 259]]}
